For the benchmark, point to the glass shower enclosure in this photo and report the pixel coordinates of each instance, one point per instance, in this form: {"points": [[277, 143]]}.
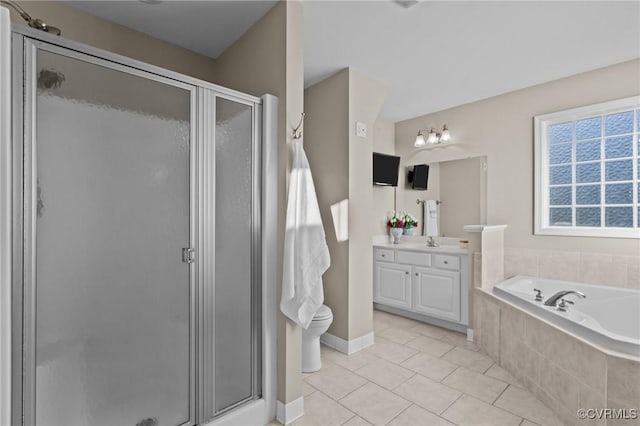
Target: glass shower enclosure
{"points": [[137, 249]]}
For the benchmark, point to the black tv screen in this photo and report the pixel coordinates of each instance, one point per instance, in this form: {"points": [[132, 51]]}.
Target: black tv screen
{"points": [[420, 176], [385, 169]]}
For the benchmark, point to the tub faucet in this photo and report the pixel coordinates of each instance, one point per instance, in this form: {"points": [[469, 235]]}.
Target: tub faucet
{"points": [[553, 300]]}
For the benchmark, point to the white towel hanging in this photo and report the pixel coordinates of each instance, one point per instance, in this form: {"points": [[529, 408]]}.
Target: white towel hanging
{"points": [[306, 254], [430, 219]]}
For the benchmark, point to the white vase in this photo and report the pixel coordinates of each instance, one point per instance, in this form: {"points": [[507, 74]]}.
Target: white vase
{"points": [[396, 233], [407, 231]]}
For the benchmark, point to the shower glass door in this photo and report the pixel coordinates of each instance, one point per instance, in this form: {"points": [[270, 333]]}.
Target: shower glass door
{"points": [[108, 210]]}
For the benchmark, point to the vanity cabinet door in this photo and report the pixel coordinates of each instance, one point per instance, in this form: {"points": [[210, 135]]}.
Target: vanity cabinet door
{"points": [[436, 293], [392, 285]]}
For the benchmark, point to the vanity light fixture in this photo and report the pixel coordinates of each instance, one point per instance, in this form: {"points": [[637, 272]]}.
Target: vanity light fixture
{"points": [[433, 137]]}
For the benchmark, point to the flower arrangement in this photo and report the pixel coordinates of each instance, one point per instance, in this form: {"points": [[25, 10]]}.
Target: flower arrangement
{"points": [[409, 221], [396, 220]]}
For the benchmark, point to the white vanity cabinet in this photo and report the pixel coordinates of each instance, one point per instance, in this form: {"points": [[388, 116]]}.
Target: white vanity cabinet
{"points": [[394, 287], [423, 283]]}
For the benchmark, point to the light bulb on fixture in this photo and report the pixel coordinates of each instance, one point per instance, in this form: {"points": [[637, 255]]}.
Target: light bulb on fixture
{"points": [[433, 136], [445, 136], [419, 140]]}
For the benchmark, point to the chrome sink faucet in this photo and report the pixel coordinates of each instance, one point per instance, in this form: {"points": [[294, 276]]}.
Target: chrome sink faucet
{"points": [[553, 300]]}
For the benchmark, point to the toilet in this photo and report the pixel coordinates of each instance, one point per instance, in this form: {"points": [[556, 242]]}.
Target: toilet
{"points": [[311, 339]]}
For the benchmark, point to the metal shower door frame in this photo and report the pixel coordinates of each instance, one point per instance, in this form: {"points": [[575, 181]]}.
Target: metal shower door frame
{"points": [[25, 42]]}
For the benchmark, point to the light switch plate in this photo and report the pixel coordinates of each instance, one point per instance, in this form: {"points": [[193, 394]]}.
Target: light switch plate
{"points": [[361, 129]]}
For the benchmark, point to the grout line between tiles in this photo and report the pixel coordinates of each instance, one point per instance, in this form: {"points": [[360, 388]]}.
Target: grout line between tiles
{"points": [[449, 406], [498, 397]]}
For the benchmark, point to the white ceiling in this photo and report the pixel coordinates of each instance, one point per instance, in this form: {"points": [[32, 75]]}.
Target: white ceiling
{"points": [[433, 56], [437, 55], [206, 27]]}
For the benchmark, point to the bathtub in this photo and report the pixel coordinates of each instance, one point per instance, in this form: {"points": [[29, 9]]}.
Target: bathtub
{"points": [[608, 317]]}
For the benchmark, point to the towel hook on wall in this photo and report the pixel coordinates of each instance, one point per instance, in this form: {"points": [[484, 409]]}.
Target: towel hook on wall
{"points": [[419, 201], [297, 133]]}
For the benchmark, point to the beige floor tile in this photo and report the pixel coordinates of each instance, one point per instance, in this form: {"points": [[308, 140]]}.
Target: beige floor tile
{"points": [[471, 411], [335, 381], [379, 325], [500, 373], [472, 360], [357, 421], [524, 404], [430, 345], [428, 394], [430, 366], [390, 351], [320, 410], [417, 416], [478, 385], [350, 362], [307, 389], [397, 335], [458, 339], [385, 373], [429, 330], [375, 404], [403, 322], [526, 422]]}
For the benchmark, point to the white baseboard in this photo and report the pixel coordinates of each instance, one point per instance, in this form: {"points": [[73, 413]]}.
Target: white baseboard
{"points": [[347, 346], [287, 413], [470, 334]]}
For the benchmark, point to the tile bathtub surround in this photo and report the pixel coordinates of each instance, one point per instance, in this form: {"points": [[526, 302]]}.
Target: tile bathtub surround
{"points": [[589, 268], [562, 371], [429, 376]]}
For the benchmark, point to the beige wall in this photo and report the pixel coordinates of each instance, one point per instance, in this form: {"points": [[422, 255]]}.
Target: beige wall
{"points": [[384, 141], [366, 97], [268, 59], [82, 27], [326, 138], [342, 168], [502, 129]]}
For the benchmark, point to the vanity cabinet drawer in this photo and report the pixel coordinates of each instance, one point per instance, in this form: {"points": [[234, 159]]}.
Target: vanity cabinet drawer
{"points": [[385, 255], [413, 258], [446, 262]]}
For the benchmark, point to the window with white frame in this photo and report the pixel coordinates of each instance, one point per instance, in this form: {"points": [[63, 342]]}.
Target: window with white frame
{"points": [[587, 168]]}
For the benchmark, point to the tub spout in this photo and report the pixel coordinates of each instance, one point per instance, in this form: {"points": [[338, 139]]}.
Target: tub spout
{"points": [[553, 300]]}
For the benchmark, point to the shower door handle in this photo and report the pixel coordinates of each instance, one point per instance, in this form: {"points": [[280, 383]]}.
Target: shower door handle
{"points": [[188, 255]]}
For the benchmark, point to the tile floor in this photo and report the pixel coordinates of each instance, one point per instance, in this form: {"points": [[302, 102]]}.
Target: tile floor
{"points": [[416, 374]]}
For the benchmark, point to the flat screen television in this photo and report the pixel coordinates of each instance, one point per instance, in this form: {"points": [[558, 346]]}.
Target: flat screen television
{"points": [[420, 176], [385, 169]]}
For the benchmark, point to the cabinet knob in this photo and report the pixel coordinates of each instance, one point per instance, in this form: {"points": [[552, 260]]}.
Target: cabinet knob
{"points": [[416, 274], [446, 262], [383, 255], [407, 273]]}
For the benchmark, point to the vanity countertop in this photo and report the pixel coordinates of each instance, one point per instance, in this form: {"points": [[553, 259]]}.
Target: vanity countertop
{"points": [[448, 249]]}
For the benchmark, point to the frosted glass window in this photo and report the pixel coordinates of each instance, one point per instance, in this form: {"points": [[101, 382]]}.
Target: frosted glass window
{"points": [[619, 193], [620, 147], [588, 151], [560, 216], [559, 154], [588, 194], [560, 133], [588, 172], [617, 124], [619, 170], [560, 175], [588, 129], [588, 168], [560, 195], [588, 216], [619, 217]]}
